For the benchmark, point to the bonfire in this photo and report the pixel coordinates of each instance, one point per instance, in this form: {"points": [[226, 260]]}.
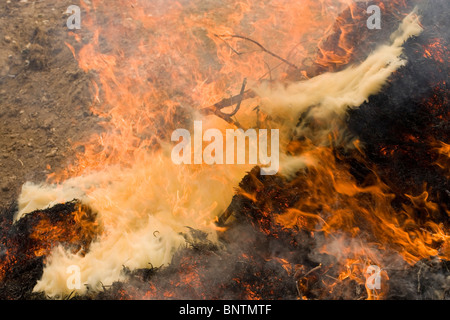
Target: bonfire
{"points": [[285, 149]]}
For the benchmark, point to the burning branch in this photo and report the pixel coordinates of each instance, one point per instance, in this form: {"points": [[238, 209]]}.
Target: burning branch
{"points": [[216, 108], [244, 94], [256, 43]]}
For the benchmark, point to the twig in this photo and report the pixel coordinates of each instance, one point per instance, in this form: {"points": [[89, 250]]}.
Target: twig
{"points": [[260, 46], [216, 108], [228, 45], [228, 102], [238, 106], [336, 279], [105, 287], [270, 70], [298, 289], [244, 94], [70, 295], [312, 270]]}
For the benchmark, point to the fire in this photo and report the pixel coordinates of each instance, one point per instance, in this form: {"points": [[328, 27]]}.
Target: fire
{"points": [[338, 206], [148, 86], [435, 50], [443, 161], [73, 227], [85, 230], [158, 65]]}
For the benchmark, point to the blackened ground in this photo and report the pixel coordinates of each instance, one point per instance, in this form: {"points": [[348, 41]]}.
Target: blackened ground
{"points": [[401, 126], [428, 280]]}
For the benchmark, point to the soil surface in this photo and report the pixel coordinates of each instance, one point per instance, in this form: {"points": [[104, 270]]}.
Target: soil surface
{"points": [[44, 96]]}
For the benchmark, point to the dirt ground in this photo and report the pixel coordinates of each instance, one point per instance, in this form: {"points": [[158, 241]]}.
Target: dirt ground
{"points": [[44, 96]]}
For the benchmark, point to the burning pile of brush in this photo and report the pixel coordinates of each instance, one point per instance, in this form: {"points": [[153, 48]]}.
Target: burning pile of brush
{"points": [[358, 210]]}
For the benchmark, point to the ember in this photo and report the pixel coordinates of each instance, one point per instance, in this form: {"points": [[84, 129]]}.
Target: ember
{"points": [[359, 208]]}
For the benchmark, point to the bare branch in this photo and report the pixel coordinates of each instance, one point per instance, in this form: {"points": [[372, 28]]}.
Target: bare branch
{"points": [[259, 45], [216, 108]]}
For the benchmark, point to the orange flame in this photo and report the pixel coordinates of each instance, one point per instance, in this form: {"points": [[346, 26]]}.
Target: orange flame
{"points": [[158, 63]]}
